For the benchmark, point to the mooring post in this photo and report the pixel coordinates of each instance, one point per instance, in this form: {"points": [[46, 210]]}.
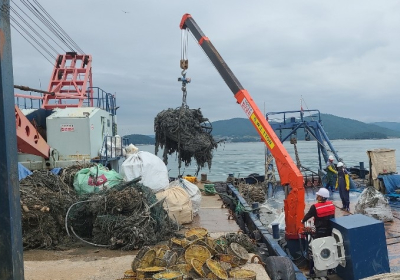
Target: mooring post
{"points": [[11, 251]]}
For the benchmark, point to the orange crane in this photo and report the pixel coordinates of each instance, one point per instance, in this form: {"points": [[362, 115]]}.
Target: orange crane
{"points": [[289, 174]]}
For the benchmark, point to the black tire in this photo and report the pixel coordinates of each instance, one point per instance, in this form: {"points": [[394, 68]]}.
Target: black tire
{"points": [[280, 268]]}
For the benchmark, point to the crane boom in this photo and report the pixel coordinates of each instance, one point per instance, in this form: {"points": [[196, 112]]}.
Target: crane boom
{"points": [[288, 172]]}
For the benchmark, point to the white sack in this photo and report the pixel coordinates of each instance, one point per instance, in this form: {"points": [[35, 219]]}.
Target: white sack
{"points": [[192, 190], [130, 149], [150, 167], [373, 204], [178, 204]]}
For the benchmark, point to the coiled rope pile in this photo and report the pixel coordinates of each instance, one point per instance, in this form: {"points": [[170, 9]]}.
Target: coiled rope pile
{"points": [[184, 131]]}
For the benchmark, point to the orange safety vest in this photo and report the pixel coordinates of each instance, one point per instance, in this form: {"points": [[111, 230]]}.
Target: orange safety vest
{"points": [[325, 209]]}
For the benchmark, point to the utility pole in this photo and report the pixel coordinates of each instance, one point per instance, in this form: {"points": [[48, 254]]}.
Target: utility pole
{"points": [[11, 251]]}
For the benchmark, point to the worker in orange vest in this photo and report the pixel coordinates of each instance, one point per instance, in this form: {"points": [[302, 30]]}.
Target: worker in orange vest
{"points": [[322, 212]]}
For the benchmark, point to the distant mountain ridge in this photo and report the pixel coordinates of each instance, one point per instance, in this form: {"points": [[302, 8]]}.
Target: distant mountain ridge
{"points": [[391, 125], [241, 129]]}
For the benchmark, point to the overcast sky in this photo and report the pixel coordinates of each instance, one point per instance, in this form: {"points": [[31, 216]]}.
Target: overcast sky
{"points": [[342, 57]]}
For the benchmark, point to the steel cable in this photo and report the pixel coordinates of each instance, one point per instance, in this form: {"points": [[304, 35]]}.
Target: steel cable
{"points": [[36, 24], [46, 22], [34, 31], [60, 28]]}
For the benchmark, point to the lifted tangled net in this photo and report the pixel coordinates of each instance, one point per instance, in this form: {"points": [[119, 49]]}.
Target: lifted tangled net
{"points": [[125, 217], [184, 131]]}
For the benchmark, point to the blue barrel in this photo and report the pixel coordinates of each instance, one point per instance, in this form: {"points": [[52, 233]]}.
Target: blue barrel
{"points": [[362, 170], [275, 230]]}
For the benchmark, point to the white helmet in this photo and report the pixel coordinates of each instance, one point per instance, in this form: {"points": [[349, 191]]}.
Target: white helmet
{"points": [[340, 164], [331, 157], [323, 192]]}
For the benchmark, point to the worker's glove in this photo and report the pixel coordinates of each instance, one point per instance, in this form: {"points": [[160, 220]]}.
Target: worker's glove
{"points": [[347, 188]]}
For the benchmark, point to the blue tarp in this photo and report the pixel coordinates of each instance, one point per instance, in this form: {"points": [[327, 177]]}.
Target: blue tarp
{"points": [[56, 170], [391, 182], [23, 171]]}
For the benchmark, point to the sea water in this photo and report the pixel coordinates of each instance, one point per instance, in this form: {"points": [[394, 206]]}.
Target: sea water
{"points": [[242, 159]]}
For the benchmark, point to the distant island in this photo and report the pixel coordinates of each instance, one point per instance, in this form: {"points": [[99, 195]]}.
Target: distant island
{"points": [[139, 139], [241, 130]]}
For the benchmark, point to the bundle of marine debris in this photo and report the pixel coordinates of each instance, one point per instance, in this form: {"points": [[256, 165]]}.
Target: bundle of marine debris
{"points": [[186, 132], [195, 256], [372, 203], [252, 193], [45, 199], [126, 217]]}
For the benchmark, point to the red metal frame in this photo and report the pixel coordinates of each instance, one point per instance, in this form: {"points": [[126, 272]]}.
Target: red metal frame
{"points": [[70, 85], [28, 138], [71, 81]]}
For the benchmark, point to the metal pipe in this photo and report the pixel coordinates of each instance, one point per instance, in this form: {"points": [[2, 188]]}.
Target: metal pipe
{"points": [[34, 90]]}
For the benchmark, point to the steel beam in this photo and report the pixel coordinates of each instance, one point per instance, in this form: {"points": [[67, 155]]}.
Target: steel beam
{"points": [[11, 251]]}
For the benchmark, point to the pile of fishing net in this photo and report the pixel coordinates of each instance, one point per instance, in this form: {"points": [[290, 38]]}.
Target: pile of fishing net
{"points": [[252, 193], [186, 132], [45, 199], [373, 204], [126, 217]]}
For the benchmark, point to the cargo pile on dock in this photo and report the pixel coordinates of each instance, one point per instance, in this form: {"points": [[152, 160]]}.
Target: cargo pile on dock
{"points": [[197, 255], [252, 193], [45, 199], [125, 217]]}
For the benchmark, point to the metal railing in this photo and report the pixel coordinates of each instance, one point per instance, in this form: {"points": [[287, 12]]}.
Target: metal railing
{"points": [[111, 149], [101, 99]]}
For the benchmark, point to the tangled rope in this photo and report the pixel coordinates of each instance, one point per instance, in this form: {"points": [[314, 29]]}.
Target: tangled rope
{"points": [[252, 193], [45, 199], [242, 239], [125, 217], [186, 132]]}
